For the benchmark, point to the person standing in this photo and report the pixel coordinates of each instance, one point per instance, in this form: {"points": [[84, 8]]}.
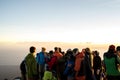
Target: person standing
{"points": [[96, 64], [110, 61], [69, 67], [88, 68], [59, 57], [41, 62], [31, 64], [79, 64]]}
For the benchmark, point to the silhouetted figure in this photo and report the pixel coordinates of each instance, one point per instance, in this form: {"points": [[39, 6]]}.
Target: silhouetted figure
{"points": [[88, 68], [97, 64]]}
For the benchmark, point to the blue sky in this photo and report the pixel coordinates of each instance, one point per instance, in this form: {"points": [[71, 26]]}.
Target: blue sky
{"points": [[60, 20]]}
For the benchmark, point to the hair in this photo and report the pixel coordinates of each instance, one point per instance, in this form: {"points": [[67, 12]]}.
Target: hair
{"points": [[43, 48], [75, 50], [87, 51], [118, 48], [111, 49], [51, 52], [55, 48], [32, 49], [111, 52], [96, 53], [60, 50]]}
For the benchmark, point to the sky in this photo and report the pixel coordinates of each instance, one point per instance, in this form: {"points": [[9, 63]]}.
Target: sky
{"points": [[94, 21]]}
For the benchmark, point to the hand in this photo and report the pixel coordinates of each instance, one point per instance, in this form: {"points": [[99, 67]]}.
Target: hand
{"points": [[98, 71]]}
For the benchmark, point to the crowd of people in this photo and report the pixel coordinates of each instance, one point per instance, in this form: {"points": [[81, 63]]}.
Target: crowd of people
{"points": [[71, 65]]}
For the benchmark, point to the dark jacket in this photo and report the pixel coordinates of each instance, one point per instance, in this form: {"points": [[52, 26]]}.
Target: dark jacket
{"points": [[88, 68], [96, 62]]}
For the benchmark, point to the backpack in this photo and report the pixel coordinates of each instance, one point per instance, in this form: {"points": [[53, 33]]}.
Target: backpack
{"points": [[23, 67], [47, 75]]}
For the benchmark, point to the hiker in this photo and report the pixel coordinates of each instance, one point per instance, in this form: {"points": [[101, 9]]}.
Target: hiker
{"points": [[51, 63], [88, 67], [110, 61], [31, 64], [58, 63], [97, 64], [69, 69], [79, 64], [41, 62]]}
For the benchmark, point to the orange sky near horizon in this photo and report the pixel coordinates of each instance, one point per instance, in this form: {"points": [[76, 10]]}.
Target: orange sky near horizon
{"points": [[13, 53]]}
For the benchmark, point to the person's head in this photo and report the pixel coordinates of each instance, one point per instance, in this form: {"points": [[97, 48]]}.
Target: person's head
{"points": [[60, 50], [32, 49], [87, 51], [69, 51], [51, 53], [70, 56], [56, 49], [95, 53], [111, 49], [75, 51], [43, 49], [83, 51], [118, 50]]}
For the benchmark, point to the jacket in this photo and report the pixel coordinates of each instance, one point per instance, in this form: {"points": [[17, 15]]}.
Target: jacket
{"points": [[40, 58], [111, 64], [31, 65]]}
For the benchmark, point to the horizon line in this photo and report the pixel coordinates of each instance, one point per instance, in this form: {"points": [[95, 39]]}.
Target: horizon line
{"points": [[59, 42]]}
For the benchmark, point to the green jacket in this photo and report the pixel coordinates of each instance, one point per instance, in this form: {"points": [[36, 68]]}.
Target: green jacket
{"points": [[31, 65], [111, 68]]}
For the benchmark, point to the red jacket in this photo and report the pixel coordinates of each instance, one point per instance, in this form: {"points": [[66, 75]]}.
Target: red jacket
{"points": [[52, 62], [78, 58]]}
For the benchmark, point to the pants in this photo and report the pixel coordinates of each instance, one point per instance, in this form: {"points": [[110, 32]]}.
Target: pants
{"points": [[41, 71]]}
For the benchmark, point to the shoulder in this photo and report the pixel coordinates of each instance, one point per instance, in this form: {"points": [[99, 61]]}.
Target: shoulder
{"points": [[105, 54], [39, 53], [28, 55]]}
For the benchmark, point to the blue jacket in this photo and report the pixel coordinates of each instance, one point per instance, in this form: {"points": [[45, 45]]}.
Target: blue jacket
{"points": [[40, 58], [69, 69]]}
